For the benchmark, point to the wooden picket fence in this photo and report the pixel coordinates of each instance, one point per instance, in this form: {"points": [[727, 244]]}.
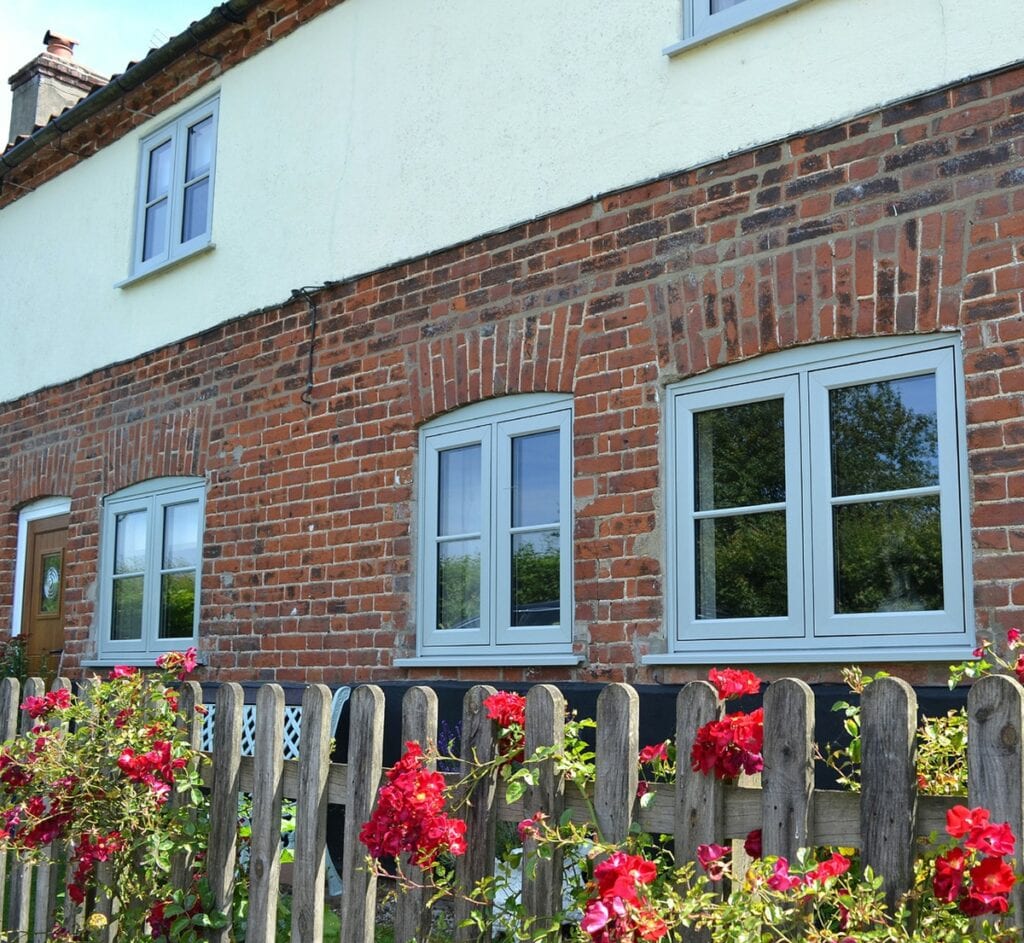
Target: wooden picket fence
{"points": [[884, 820]]}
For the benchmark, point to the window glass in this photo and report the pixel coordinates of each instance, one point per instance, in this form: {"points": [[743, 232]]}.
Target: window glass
{"points": [[884, 436], [821, 504], [740, 455], [175, 190], [149, 600], [130, 542], [496, 548], [888, 556]]}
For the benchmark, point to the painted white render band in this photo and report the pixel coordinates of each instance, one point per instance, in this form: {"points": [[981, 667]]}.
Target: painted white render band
{"points": [[386, 129]]}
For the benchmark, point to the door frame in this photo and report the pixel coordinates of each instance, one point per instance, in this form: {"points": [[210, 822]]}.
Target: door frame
{"points": [[37, 510]]}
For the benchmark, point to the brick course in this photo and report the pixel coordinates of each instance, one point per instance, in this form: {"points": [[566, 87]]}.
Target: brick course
{"points": [[909, 220]]}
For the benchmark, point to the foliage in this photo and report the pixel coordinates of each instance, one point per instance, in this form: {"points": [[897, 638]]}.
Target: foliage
{"points": [[98, 773], [14, 658], [634, 891]]}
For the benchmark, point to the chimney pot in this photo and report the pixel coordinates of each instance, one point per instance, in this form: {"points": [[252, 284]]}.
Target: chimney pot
{"points": [[61, 46]]}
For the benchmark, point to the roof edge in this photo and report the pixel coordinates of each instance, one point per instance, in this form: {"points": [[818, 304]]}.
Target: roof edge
{"points": [[229, 13]]}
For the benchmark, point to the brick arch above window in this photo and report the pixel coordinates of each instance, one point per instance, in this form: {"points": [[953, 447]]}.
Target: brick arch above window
{"points": [[536, 353]]}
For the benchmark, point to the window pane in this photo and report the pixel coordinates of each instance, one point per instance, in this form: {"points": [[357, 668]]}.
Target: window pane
{"points": [[717, 6], [177, 604], [161, 159], [458, 585], [740, 455], [130, 542], [884, 436], [888, 556], [741, 566], [126, 619], [535, 479], [193, 220], [200, 149], [154, 241], [459, 491], [181, 527], [536, 579]]}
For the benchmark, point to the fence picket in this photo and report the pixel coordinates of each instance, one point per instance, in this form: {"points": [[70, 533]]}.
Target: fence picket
{"points": [[190, 696], [223, 841], [265, 849], [311, 816], [788, 776], [365, 753], [47, 871], [618, 745], [888, 808], [995, 762], [478, 808], [10, 698], [19, 914], [545, 724], [700, 798], [419, 724]]}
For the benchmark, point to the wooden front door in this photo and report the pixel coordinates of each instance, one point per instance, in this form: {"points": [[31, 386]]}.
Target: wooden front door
{"points": [[42, 611]]}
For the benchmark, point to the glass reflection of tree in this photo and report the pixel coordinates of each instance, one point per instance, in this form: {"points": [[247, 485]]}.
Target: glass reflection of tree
{"points": [[536, 576], [888, 552]]}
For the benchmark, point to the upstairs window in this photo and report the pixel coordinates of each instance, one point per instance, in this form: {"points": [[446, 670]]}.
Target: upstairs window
{"points": [[703, 19], [150, 567], [820, 505], [175, 196], [496, 531]]}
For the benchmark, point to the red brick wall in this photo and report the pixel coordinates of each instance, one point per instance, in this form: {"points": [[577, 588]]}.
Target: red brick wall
{"points": [[909, 220]]}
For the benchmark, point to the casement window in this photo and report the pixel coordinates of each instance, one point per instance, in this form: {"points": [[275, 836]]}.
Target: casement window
{"points": [[174, 203], [704, 19], [819, 506], [150, 567], [495, 534]]}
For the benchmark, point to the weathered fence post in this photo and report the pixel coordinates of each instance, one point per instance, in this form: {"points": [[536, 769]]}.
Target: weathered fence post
{"points": [[311, 816], [268, 789], [419, 724], [545, 725], [365, 755], [223, 844], [699, 796], [888, 803], [45, 894], [10, 698], [190, 697], [788, 776], [479, 809], [618, 746], [19, 910], [995, 762]]}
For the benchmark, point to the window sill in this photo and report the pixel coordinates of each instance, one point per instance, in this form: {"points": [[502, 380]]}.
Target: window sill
{"points": [[166, 266], [495, 660], [692, 42], [839, 656]]}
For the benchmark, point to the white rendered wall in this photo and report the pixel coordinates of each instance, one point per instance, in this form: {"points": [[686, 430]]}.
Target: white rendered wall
{"points": [[389, 128]]}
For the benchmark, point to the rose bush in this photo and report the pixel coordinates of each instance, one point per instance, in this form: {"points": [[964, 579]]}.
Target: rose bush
{"points": [[96, 773]]}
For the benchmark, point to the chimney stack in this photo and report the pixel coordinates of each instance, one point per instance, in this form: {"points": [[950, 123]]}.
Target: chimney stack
{"points": [[48, 85]]}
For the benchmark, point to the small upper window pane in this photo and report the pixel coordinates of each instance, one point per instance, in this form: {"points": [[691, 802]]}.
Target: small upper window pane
{"points": [[740, 456], [161, 162], [459, 491], [717, 6], [130, 542], [200, 149], [884, 436], [181, 533], [535, 479]]}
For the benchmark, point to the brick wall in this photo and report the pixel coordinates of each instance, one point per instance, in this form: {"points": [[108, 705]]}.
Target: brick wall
{"points": [[909, 220]]}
